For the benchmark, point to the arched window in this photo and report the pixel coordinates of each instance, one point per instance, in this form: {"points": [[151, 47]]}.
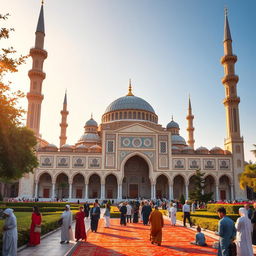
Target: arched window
{"points": [[139, 115], [130, 115], [147, 116], [112, 117], [143, 116], [239, 163], [125, 115], [238, 149], [120, 115], [116, 116], [134, 115]]}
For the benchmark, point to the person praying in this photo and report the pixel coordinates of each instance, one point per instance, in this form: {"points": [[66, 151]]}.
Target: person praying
{"points": [[10, 234]]}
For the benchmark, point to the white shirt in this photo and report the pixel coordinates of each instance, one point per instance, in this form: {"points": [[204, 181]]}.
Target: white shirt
{"points": [[129, 210], [186, 208]]}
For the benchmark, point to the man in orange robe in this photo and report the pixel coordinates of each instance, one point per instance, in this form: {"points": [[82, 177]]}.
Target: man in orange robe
{"points": [[156, 224]]}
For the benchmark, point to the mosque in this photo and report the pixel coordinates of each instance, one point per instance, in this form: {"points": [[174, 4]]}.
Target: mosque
{"points": [[129, 154]]}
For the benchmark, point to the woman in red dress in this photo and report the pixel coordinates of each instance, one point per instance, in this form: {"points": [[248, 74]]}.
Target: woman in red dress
{"points": [[80, 227], [34, 238]]}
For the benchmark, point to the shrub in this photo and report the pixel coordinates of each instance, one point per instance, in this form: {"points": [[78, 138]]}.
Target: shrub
{"points": [[42, 209], [230, 208], [39, 204]]}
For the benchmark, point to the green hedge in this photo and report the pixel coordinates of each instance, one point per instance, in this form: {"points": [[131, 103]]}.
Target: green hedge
{"points": [[39, 204], [230, 208], [42, 209]]}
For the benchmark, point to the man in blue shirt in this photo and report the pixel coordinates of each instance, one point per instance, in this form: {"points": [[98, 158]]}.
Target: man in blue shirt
{"points": [[226, 231]]}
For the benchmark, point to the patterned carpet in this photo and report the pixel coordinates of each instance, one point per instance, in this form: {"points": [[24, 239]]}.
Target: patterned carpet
{"points": [[134, 240]]}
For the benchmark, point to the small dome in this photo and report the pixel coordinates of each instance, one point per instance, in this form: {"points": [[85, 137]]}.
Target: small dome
{"points": [[175, 149], [178, 140], [217, 150], [81, 146], [95, 147], [188, 149], [51, 147], [91, 122], [90, 137], [129, 102], [173, 124], [203, 150], [66, 146]]}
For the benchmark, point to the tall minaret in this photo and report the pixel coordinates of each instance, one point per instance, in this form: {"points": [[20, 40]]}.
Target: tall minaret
{"points": [[233, 142], [63, 124], [190, 128], [36, 76]]}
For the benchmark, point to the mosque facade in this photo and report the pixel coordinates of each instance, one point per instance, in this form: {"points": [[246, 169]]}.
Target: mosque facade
{"points": [[129, 154]]}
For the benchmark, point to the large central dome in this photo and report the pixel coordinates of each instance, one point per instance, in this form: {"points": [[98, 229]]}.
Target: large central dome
{"points": [[129, 102], [129, 107]]}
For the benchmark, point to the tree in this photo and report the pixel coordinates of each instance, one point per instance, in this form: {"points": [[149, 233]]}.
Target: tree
{"points": [[17, 143], [197, 193], [248, 177]]}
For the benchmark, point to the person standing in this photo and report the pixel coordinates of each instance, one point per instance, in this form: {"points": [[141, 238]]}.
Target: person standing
{"points": [[140, 210], [172, 214], [86, 209], [95, 216], [135, 212], [35, 227], [244, 234], [128, 213], [156, 224], [10, 234], [186, 214], [107, 216], [146, 210], [226, 231], [123, 211], [80, 232], [253, 220], [66, 230]]}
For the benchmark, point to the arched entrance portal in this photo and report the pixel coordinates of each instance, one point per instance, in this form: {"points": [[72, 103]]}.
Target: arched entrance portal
{"points": [[178, 187], [136, 182], [111, 187], [45, 186], [162, 187]]}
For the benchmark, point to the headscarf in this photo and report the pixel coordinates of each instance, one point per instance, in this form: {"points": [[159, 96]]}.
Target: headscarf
{"points": [[8, 212], [68, 206], [174, 205], [243, 212]]}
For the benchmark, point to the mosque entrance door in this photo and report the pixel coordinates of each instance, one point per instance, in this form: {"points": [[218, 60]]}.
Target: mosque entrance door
{"points": [[134, 191], [136, 182], [46, 193]]}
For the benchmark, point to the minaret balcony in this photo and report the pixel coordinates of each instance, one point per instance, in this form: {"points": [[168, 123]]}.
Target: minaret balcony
{"points": [[231, 101], [38, 52], [34, 72], [228, 58], [34, 96], [230, 78]]}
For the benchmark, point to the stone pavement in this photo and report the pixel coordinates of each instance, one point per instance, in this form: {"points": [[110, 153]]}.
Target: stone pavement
{"points": [[50, 245]]}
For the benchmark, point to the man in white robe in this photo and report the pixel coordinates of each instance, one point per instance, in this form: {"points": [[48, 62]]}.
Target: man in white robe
{"points": [[244, 234], [10, 234], [172, 214], [66, 229]]}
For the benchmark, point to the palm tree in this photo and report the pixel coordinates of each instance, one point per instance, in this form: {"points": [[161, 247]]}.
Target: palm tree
{"points": [[248, 177]]}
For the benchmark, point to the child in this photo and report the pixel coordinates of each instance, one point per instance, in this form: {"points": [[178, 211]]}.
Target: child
{"points": [[200, 238]]}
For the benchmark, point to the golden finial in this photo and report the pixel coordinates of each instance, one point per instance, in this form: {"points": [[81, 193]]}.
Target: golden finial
{"points": [[130, 89], [172, 117], [91, 116], [42, 2], [226, 11]]}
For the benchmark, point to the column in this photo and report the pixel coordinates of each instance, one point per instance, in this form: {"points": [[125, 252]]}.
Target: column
{"points": [[171, 192], [152, 191], [102, 191], [186, 187], [53, 191], [217, 193], [70, 191], [232, 191], [36, 190], [119, 191], [86, 192]]}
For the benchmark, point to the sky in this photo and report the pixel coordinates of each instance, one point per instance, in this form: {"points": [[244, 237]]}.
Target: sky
{"points": [[169, 48]]}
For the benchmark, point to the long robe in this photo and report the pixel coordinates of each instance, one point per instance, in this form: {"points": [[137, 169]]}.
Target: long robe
{"points": [[226, 231], [80, 232], [146, 210], [95, 216], [123, 211], [244, 236], [253, 220], [172, 214], [34, 237], [66, 230], [157, 222], [135, 214], [10, 236]]}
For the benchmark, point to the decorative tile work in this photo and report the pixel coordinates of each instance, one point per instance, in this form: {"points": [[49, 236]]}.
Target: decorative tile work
{"points": [[62, 162], [178, 163], [224, 164], [136, 142], [46, 161], [209, 164], [194, 163], [78, 162], [94, 162]]}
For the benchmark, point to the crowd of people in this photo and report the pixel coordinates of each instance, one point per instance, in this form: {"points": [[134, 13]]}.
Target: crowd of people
{"points": [[243, 232]]}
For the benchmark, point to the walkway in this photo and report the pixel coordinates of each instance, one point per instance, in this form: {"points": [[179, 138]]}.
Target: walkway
{"points": [[134, 240], [50, 245]]}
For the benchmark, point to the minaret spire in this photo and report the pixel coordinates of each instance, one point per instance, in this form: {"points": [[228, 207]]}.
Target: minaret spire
{"points": [[63, 125], [36, 75], [130, 89], [234, 141], [190, 128]]}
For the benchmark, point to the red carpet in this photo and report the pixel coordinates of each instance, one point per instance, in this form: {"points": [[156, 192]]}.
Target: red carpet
{"points": [[134, 240]]}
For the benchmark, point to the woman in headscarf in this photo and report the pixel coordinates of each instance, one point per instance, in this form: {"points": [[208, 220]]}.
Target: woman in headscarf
{"points": [[172, 214], [34, 235], [244, 234], [10, 234], [66, 230]]}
